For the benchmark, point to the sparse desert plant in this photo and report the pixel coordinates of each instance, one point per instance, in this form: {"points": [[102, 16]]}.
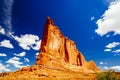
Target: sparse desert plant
{"points": [[107, 75]]}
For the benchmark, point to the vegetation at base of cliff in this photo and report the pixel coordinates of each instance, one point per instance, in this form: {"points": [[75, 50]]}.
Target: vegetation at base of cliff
{"points": [[107, 75]]}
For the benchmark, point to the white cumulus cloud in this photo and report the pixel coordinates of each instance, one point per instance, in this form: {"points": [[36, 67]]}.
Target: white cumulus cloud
{"points": [[15, 62], [2, 54], [4, 68], [116, 68], [110, 20], [28, 41], [20, 54], [6, 43], [111, 48], [105, 68], [101, 63], [37, 45], [112, 45]]}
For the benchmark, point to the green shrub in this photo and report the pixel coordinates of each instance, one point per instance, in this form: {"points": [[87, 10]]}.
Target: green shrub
{"points": [[107, 75]]}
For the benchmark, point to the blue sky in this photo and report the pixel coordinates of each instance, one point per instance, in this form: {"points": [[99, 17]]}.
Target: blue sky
{"points": [[93, 25]]}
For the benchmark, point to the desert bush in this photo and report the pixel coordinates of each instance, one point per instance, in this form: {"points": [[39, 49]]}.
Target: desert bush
{"points": [[107, 75]]}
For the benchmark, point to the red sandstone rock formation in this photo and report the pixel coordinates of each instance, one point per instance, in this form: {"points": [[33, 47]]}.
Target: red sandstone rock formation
{"points": [[57, 51]]}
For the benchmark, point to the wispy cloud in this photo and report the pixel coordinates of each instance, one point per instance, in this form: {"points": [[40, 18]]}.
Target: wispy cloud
{"points": [[109, 22], [92, 18], [26, 60], [6, 15], [2, 55], [111, 48], [109, 1], [6, 43], [112, 45], [116, 51], [107, 50]]}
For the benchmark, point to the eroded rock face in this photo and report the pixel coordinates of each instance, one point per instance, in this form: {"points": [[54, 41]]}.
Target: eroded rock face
{"points": [[57, 51]]}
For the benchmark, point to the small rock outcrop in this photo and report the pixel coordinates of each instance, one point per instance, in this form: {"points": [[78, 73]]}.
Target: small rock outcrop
{"points": [[59, 52]]}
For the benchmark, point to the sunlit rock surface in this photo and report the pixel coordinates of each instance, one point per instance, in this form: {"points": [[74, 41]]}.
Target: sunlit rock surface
{"points": [[58, 51]]}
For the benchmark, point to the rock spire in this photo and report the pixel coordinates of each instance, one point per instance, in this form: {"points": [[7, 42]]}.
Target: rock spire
{"points": [[58, 51]]}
